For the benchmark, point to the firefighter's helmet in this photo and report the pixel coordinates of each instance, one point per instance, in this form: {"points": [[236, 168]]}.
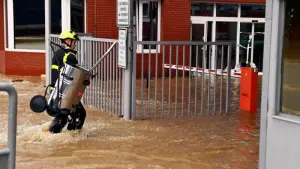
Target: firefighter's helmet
{"points": [[68, 34]]}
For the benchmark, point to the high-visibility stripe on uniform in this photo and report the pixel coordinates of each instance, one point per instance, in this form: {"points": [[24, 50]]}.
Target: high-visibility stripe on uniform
{"points": [[55, 67], [66, 57]]}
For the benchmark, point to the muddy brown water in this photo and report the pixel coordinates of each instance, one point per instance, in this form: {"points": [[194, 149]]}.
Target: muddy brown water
{"points": [[203, 142]]}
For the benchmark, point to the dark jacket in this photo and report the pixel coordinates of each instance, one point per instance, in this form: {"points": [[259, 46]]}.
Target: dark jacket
{"points": [[60, 57]]}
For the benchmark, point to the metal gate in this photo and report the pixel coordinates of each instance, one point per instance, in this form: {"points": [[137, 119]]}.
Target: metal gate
{"points": [[171, 79], [175, 79], [105, 90]]}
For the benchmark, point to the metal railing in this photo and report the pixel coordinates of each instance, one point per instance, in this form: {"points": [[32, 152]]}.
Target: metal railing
{"points": [[8, 155], [105, 90], [176, 79]]}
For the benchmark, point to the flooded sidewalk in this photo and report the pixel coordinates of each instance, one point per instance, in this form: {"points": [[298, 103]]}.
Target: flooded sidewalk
{"points": [[203, 142]]}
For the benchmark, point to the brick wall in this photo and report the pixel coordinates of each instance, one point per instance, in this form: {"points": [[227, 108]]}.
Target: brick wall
{"points": [[24, 63], [18, 63], [2, 61], [175, 26], [101, 18], [175, 23], [101, 22]]}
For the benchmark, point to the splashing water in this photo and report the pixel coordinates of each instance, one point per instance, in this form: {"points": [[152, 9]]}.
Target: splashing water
{"points": [[217, 142]]}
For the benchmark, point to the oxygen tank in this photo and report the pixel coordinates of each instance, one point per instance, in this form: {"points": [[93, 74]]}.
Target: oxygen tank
{"points": [[67, 93]]}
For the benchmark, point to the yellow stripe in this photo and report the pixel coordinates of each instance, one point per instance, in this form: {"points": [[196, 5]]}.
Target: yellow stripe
{"points": [[55, 67], [66, 57]]}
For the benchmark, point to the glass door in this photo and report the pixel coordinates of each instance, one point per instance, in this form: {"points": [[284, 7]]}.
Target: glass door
{"points": [[251, 44], [199, 34], [226, 31]]}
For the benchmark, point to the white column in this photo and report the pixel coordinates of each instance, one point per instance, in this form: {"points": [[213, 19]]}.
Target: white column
{"points": [[10, 24], [237, 56], [85, 16], [65, 14], [252, 43], [47, 36], [5, 23], [213, 53]]}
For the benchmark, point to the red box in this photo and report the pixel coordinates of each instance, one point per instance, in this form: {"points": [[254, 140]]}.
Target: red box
{"points": [[248, 90]]}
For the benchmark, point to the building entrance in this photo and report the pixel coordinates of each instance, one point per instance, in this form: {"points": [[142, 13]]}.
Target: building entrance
{"points": [[200, 32], [239, 23]]}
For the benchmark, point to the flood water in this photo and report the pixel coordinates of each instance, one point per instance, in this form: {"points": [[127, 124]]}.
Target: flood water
{"points": [[203, 142]]}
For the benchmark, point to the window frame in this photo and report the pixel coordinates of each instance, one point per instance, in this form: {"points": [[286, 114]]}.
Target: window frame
{"points": [[84, 17], [5, 25], [277, 113], [139, 26], [275, 72], [9, 37]]}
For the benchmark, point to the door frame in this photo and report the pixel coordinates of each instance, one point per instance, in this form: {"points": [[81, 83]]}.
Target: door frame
{"points": [[215, 19], [205, 23], [205, 34], [251, 49]]}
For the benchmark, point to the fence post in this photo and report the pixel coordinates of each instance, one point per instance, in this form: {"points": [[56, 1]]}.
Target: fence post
{"points": [[133, 89], [127, 104], [8, 155], [228, 87], [47, 39]]}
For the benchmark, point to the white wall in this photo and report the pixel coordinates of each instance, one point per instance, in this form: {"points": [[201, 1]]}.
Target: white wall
{"points": [[283, 145], [280, 133]]}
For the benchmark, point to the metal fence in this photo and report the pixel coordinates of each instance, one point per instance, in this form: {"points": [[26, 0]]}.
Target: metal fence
{"points": [[105, 90], [174, 79], [170, 79], [8, 155]]}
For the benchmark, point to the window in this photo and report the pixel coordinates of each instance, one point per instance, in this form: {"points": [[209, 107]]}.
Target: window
{"points": [[77, 15], [227, 10], [202, 9], [146, 9], [25, 24], [148, 27], [252, 11], [290, 88], [56, 16]]}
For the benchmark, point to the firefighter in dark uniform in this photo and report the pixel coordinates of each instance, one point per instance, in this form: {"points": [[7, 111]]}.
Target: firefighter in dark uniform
{"points": [[66, 54]]}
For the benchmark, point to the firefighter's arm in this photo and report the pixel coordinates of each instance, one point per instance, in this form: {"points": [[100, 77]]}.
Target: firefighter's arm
{"points": [[72, 60]]}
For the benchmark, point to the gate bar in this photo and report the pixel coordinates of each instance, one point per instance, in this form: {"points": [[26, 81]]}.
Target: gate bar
{"points": [[12, 127]]}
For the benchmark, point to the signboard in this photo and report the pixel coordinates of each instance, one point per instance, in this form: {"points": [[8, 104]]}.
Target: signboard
{"points": [[122, 60], [123, 17]]}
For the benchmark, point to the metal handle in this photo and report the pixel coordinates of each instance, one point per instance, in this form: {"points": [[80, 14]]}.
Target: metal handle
{"points": [[105, 54], [66, 76], [12, 126]]}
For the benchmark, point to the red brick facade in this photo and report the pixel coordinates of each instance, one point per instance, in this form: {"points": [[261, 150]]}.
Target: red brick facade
{"points": [[24, 63], [101, 22], [101, 18], [18, 63]]}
